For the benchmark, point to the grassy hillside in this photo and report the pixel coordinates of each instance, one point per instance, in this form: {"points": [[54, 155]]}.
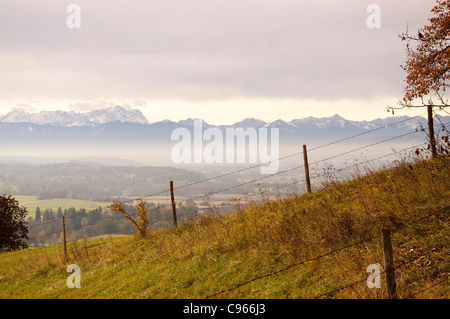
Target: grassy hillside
{"points": [[315, 245]]}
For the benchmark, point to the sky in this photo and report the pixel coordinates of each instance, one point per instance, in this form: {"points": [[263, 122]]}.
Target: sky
{"points": [[218, 60]]}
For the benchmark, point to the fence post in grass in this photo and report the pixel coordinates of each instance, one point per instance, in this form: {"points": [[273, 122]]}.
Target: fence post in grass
{"points": [[305, 160], [431, 131], [64, 237], [389, 264], [174, 207]]}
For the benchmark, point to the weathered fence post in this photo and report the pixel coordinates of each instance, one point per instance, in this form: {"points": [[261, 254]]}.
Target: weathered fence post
{"points": [[431, 131], [174, 207], [389, 264], [305, 160], [64, 237]]}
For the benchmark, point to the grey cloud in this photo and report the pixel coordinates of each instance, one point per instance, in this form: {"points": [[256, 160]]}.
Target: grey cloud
{"points": [[203, 49]]}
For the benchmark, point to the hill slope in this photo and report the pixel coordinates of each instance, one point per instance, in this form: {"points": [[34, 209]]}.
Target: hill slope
{"points": [[315, 245]]}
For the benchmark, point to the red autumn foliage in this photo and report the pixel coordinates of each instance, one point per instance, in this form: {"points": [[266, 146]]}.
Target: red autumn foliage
{"points": [[428, 55]]}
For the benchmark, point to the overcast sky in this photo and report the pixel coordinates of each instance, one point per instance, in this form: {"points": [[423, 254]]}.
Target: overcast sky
{"points": [[219, 60]]}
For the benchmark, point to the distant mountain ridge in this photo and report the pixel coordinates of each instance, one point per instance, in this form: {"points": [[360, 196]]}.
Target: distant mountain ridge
{"points": [[120, 114], [103, 128], [62, 118], [335, 121], [128, 135]]}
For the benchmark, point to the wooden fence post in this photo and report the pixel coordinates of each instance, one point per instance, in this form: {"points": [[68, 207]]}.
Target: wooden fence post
{"points": [[431, 131], [389, 264], [174, 207], [64, 237], [305, 160]]}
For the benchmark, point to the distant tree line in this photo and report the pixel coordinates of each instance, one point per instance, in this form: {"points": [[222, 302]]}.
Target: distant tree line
{"points": [[52, 193]]}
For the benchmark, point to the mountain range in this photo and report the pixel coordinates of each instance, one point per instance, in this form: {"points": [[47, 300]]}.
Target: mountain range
{"points": [[117, 132], [95, 117], [120, 114], [98, 117]]}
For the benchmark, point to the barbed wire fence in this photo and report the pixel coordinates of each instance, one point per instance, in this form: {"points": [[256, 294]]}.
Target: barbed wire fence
{"points": [[369, 239]]}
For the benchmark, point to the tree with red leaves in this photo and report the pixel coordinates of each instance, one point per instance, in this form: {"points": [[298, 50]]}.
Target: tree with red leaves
{"points": [[428, 65]]}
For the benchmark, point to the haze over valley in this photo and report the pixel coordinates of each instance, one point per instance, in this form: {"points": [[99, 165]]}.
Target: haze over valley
{"points": [[119, 152]]}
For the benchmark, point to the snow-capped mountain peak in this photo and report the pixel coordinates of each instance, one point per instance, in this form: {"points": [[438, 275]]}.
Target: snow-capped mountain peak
{"points": [[62, 118]]}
